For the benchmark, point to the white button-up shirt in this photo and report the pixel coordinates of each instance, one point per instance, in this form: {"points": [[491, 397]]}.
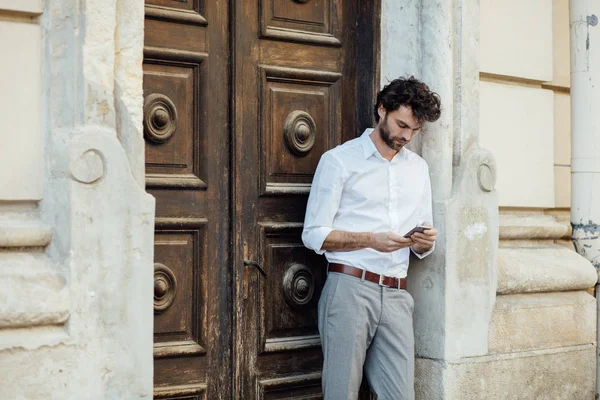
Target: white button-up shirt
{"points": [[355, 189]]}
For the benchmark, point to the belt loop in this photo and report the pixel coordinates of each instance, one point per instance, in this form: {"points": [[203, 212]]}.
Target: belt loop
{"points": [[362, 278]]}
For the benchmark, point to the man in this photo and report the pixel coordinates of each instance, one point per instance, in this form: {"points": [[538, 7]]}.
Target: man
{"points": [[366, 194]]}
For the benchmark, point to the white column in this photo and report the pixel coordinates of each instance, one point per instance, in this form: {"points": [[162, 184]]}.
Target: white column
{"points": [[585, 130], [585, 127]]}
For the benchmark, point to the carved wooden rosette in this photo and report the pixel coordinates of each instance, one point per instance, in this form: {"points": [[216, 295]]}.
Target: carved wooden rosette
{"points": [[300, 131], [160, 118], [165, 287], [298, 285]]}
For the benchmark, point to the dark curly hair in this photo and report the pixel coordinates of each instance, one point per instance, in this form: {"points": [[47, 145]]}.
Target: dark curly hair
{"points": [[412, 93]]}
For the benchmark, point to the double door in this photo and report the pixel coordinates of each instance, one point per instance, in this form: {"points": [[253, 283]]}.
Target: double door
{"points": [[241, 98]]}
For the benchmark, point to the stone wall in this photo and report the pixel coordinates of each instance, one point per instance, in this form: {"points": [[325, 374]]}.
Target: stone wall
{"points": [[76, 226]]}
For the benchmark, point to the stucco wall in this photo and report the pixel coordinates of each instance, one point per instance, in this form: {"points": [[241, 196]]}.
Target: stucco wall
{"points": [[525, 99]]}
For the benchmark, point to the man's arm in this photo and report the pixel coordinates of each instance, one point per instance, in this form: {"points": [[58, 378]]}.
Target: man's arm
{"points": [[347, 241], [323, 202]]}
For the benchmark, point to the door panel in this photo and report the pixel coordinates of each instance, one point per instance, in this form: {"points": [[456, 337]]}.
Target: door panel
{"points": [[179, 318], [288, 320], [285, 120], [295, 104], [187, 169], [295, 21]]}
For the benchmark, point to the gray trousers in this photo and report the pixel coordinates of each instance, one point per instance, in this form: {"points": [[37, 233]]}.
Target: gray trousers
{"points": [[364, 325]]}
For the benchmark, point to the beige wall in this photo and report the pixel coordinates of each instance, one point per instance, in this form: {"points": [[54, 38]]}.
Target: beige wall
{"points": [[21, 6], [21, 153], [516, 38], [525, 105]]}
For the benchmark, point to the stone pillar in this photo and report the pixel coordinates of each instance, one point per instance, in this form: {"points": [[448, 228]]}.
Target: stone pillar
{"points": [[585, 131], [455, 288], [77, 259], [462, 273]]}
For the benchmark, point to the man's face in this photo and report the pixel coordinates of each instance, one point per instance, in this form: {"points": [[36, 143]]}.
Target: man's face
{"points": [[397, 128]]}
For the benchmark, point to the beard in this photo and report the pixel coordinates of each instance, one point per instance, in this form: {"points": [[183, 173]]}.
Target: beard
{"points": [[385, 135]]}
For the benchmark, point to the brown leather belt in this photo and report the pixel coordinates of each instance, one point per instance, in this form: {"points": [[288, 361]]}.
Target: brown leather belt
{"points": [[382, 280]]}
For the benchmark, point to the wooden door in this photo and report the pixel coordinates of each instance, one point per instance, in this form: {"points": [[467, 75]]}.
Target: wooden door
{"points": [[296, 91], [186, 128], [240, 103]]}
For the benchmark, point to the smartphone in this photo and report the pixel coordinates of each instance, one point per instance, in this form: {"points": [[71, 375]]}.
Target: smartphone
{"points": [[418, 228]]}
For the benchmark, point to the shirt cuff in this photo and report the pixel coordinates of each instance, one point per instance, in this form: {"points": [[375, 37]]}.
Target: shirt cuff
{"points": [[314, 238], [423, 255]]}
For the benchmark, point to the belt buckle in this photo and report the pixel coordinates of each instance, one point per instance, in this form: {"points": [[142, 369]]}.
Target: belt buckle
{"points": [[381, 276]]}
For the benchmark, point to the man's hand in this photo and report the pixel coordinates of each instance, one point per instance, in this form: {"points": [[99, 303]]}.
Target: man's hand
{"points": [[424, 241], [387, 242]]}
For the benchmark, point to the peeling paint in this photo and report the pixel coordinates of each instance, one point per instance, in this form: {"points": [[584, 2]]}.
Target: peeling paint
{"points": [[590, 227], [587, 42], [585, 239], [591, 20], [475, 231]]}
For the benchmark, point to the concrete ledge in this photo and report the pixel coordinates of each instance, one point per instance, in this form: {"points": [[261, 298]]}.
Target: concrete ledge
{"points": [[520, 227], [557, 374], [32, 291], [533, 321], [547, 269], [24, 234]]}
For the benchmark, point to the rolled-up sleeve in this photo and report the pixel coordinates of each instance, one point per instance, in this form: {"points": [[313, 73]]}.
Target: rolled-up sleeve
{"points": [[426, 211], [323, 202]]}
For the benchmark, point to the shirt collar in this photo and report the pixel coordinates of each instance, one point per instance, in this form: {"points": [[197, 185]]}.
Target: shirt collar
{"points": [[369, 147]]}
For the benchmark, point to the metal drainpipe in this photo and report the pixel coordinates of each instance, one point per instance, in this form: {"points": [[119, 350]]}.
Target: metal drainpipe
{"points": [[585, 132]]}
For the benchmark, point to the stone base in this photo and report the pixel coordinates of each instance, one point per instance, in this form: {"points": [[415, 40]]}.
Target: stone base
{"points": [[536, 321], [557, 374], [543, 269]]}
